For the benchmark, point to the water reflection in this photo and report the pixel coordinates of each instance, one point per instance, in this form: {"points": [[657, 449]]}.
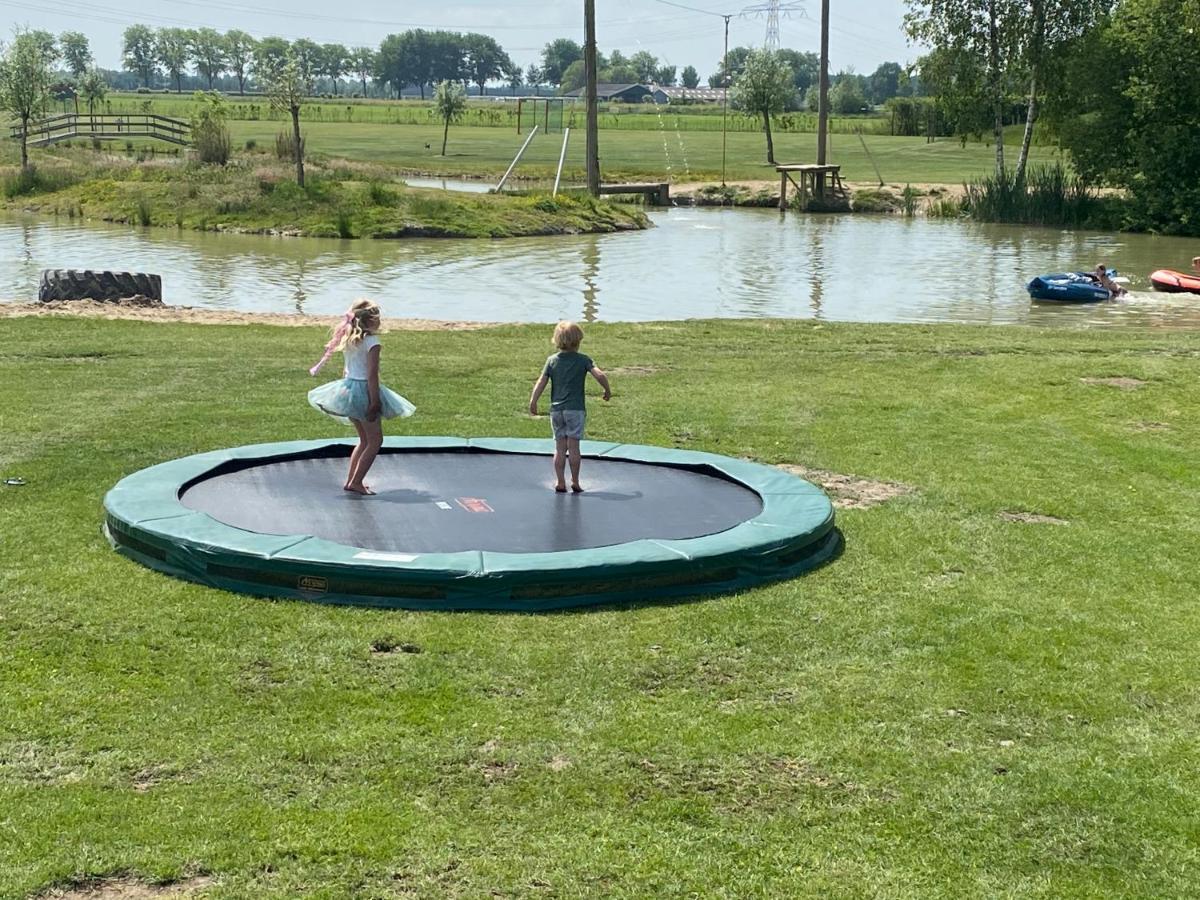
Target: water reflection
{"points": [[694, 263]]}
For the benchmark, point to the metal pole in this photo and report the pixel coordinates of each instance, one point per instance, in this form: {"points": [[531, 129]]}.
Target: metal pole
{"points": [[561, 159], [592, 153], [823, 102], [724, 96], [516, 159]]}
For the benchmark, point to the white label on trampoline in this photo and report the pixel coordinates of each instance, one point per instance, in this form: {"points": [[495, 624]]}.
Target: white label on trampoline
{"points": [[385, 557], [442, 504]]}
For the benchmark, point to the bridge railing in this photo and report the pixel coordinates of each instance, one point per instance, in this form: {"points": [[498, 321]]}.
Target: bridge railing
{"points": [[105, 126]]}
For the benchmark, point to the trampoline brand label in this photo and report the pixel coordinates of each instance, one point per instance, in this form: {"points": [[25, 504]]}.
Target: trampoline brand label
{"points": [[474, 504], [313, 583]]}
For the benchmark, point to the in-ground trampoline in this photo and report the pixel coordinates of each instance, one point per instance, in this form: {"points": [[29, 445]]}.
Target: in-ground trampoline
{"points": [[470, 524]]}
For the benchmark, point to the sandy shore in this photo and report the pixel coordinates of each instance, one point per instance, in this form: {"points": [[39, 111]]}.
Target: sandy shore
{"points": [[198, 316]]}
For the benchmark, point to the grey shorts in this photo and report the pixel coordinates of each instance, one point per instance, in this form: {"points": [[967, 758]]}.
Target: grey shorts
{"points": [[567, 423]]}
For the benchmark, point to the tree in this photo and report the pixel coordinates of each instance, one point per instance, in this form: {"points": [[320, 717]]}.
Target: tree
{"points": [[1131, 121], [988, 32], [76, 52], [515, 76], [645, 66], [556, 56], [47, 45], [270, 56], [287, 89], [362, 64], [137, 53], [806, 68], [764, 88], [92, 89], [665, 75], [209, 132], [239, 50], [737, 62], [690, 77], [485, 59], [534, 77], [24, 84], [448, 60], [846, 95], [173, 50], [573, 77], [335, 62], [884, 83], [208, 53], [307, 56], [450, 101]]}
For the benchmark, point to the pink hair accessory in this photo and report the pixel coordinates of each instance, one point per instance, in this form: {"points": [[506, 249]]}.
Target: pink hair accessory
{"points": [[331, 347]]}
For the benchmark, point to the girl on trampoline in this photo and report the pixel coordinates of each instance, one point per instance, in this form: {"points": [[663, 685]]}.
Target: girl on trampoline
{"points": [[358, 398], [566, 371]]}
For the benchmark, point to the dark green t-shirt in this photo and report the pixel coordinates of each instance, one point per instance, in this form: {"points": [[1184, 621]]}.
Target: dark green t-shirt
{"points": [[567, 371]]}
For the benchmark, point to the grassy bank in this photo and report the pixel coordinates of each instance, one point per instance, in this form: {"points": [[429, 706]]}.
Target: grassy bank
{"points": [[965, 703], [258, 193]]}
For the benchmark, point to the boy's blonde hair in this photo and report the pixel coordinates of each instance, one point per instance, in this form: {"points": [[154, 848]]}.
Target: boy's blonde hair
{"points": [[364, 317], [567, 336]]}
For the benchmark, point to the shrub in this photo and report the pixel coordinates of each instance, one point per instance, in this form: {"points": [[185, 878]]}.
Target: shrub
{"points": [[37, 181], [285, 146], [143, 90], [251, 144], [379, 195], [343, 224], [209, 133], [143, 211]]}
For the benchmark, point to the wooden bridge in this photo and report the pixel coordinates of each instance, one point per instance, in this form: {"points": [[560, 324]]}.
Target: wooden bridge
{"points": [[812, 181], [105, 127]]}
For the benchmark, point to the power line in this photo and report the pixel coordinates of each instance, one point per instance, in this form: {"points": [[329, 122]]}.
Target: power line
{"points": [[707, 12]]}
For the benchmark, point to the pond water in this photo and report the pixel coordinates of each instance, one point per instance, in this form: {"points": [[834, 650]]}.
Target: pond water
{"points": [[694, 263]]}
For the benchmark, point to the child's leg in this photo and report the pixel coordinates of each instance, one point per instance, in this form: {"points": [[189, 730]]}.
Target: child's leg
{"points": [[373, 432], [356, 453], [560, 463], [576, 461]]}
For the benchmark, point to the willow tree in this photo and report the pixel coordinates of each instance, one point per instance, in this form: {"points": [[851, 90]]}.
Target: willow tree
{"points": [[764, 88], [24, 85], [450, 101], [288, 88]]}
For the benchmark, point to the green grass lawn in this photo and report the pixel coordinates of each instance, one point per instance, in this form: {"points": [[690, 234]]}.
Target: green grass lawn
{"points": [[958, 706], [646, 155]]}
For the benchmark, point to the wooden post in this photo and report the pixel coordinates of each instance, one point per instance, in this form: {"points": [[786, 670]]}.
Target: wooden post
{"points": [[823, 89], [783, 180], [592, 154]]}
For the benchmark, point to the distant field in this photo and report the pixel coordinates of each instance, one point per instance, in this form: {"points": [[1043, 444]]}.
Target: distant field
{"points": [[665, 155]]}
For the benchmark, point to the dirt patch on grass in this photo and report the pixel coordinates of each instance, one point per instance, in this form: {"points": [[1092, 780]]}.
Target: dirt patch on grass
{"points": [[852, 491], [1122, 383], [126, 311], [388, 645], [125, 888], [634, 370], [1151, 426], [1030, 518]]}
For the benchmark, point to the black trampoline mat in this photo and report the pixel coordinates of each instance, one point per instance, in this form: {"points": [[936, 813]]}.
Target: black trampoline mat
{"points": [[445, 502]]}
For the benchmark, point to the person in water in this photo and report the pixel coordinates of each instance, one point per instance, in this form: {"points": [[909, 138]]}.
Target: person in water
{"points": [[1101, 275], [1196, 263]]}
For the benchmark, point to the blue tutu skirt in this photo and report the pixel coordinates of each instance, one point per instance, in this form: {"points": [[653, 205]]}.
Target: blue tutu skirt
{"points": [[348, 398]]}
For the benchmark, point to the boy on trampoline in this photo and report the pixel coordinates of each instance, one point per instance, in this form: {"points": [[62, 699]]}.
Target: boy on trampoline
{"points": [[566, 372], [359, 399]]}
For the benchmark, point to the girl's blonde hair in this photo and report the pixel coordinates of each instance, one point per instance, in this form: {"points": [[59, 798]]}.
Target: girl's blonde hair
{"points": [[363, 320], [567, 336]]}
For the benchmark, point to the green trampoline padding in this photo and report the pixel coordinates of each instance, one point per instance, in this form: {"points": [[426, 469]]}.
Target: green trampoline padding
{"points": [[470, 524]]}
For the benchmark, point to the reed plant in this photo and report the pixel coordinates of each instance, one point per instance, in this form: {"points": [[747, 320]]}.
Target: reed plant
{"points": [[1047, 195]]}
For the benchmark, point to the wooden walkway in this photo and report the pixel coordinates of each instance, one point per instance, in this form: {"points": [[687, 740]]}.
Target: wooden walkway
{"points": [[656, 193], [105, 127], [812, 181]]}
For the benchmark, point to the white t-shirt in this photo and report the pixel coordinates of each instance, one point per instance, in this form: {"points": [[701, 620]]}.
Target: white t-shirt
{"points": [[356, 357]]}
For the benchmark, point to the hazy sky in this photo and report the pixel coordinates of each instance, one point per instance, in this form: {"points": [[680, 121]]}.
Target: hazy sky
{"points": [[863, 33]]}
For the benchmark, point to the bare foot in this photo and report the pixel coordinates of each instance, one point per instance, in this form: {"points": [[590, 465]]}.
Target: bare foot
{"points": [[359, 489], [576, 489]]}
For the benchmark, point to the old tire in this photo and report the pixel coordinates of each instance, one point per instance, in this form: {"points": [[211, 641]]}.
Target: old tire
{"points": [[84, 284]]}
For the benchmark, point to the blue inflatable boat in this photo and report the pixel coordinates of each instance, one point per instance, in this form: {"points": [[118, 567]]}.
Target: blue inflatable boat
{"points": [[1068, 287]]}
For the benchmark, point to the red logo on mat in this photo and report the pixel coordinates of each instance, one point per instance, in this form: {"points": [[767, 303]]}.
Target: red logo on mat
{"points": [[473, 504]]}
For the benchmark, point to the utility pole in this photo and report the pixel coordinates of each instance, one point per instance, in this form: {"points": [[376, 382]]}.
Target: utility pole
{"points": [[823, 102], [724, 96], [592, 152]]}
